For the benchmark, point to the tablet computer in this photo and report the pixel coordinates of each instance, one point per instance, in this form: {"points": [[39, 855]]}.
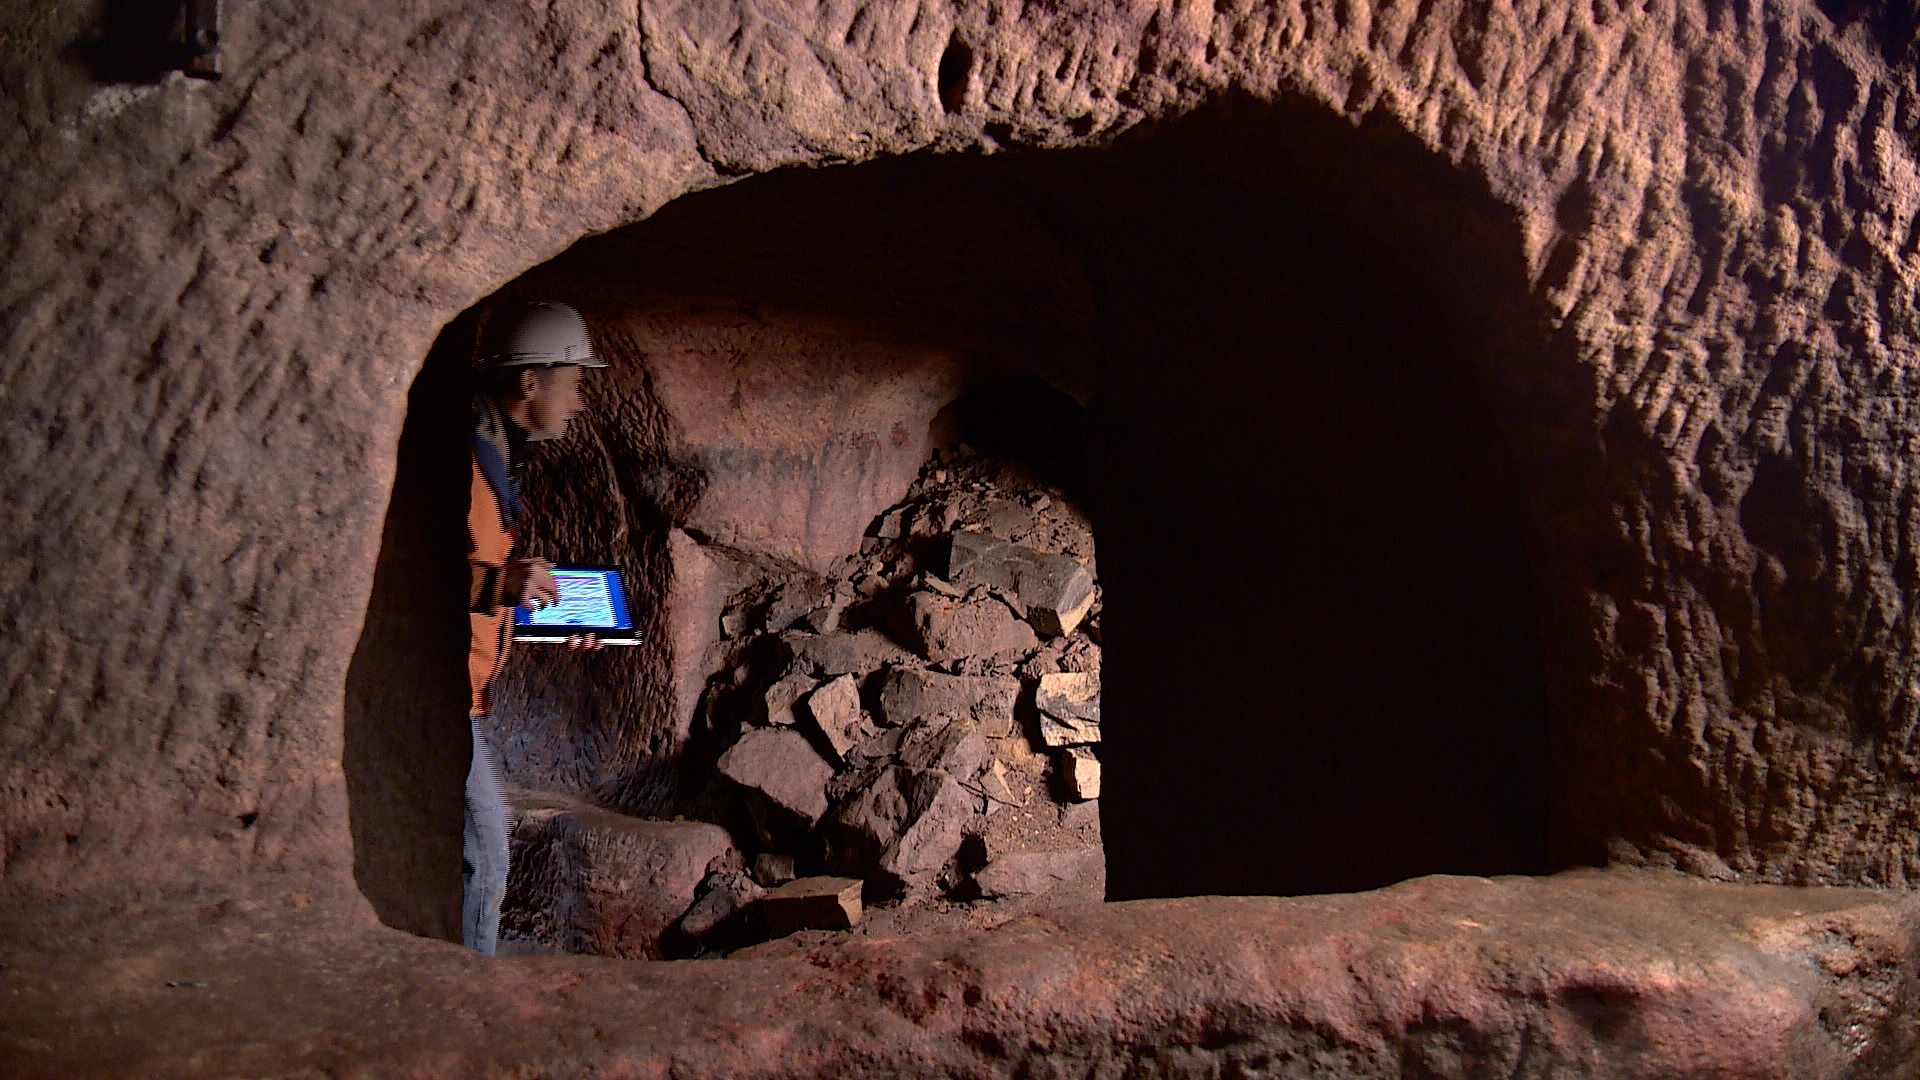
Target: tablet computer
{"points": [[593, 600]]}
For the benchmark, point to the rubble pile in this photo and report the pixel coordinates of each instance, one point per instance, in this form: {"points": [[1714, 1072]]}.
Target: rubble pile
{"points": [[918, 727]]}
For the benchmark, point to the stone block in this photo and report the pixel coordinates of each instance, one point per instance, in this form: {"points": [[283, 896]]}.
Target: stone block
{"points": [[784, 778], [907, 696], [779, 698], [1069, 707], [834, 709], [906, 823], [588, 880], [1054, 590], [1077, 772], [944, 629], [814, 903]]}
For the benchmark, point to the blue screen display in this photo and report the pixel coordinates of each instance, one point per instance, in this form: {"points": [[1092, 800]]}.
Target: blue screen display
{"points": [[588, 599]]}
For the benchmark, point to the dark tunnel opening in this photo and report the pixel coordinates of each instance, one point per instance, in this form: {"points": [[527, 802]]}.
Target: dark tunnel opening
{"points": [[1295, 346]]}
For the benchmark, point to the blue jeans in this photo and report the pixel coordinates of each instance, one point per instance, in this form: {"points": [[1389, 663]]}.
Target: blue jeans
{"points": [[483, 849]]}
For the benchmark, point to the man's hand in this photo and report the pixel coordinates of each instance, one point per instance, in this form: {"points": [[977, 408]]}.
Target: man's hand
{"points": [[529, 583], [585, 643]]}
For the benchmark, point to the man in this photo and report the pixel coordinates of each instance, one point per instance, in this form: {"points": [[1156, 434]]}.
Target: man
{"points": [[528, 371]]}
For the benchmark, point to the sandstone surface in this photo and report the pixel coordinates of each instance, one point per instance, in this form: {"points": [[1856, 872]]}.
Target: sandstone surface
{"points": [[1685, 233], [1593, 975], [586, 880]]}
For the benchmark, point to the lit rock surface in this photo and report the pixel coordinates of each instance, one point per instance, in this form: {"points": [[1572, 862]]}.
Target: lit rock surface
{"points": [[1587, 975], [218, 293], [1714, 213], [587, 880]]}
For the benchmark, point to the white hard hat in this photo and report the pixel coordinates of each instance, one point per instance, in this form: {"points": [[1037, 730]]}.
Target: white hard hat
{"points": [[543, 332]]}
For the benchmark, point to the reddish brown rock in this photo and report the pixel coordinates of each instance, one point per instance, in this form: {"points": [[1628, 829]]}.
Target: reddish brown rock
{"points": [[1593, 975], [905, 823], [835, 711], [586, 880], [985, 629], [846, 653], [1069, 706], [814, 903], [907, 696], [1077, 773], [784, 778], [227, 678], [777, 703], [1027, 873], [1054, 590]]}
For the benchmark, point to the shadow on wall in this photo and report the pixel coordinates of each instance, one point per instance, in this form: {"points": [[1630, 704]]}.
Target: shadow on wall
{"points": [[134, 41], [407, 742]]}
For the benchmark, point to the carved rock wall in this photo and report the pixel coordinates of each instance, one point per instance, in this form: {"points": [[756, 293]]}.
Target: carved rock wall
{"points": [[219, 293]]}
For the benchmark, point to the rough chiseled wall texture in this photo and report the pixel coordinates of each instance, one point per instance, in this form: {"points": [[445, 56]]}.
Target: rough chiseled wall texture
{"points": [[217, 295]]}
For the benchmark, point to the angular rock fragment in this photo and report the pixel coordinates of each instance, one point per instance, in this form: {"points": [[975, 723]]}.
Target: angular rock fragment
{"points": [[906, 823], [784, 777], [907, 696], [955, 747], [1055, 590], [859, 652], [724, 895], [945, 630], [794, 601], [779, 698], [835, 711], [890, 525], [825, 619], [588, 880], [994, 786], [813, 903], [1026, 873], [1078, 773], [1069, 705]]}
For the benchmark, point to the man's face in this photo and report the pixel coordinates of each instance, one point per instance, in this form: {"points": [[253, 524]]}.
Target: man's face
{"points": [[553, 398]]}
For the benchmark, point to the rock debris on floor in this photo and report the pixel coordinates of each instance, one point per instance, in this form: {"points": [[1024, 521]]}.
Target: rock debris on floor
{"points": [[907, 743]]}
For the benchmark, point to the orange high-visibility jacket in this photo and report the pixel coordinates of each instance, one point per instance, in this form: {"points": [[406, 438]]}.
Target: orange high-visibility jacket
{"points": [[490, 541]]}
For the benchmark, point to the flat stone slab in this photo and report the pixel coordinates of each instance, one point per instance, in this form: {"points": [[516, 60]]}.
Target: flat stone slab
{"points": [[1601, 974], [812, 903]]}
